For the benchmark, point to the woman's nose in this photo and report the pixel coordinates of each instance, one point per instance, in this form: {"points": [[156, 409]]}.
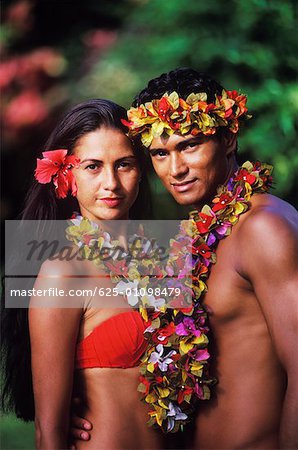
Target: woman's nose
{"points": [[178, 167], [109, 180]]}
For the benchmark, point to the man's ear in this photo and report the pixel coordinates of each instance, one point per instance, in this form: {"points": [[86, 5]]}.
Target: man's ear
{"points": [[229, 141]]}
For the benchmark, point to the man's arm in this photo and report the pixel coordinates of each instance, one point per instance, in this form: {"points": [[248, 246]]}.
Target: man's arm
{"points": [[269, 245], [53, 335]]}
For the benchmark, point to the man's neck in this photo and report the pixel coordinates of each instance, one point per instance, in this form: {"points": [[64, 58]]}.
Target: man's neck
{"points": [[232, 167]]}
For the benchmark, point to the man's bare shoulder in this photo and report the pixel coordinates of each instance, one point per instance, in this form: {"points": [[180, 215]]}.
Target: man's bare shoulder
{"points": [[269, 232], [269, 215]]}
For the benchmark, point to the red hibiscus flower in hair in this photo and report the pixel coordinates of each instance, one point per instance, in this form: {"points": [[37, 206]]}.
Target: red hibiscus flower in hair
{"points": [[56, 167]]}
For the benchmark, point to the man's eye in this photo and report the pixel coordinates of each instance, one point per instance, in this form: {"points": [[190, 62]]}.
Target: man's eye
{"points": [[192, 144]]}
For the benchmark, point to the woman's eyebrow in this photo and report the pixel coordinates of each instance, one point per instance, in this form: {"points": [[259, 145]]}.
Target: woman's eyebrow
{"points": [[126, 157], [91, 160], [155, 150]]}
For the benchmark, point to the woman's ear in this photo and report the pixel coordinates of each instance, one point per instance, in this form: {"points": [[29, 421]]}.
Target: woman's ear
{"points": [[229, 141]]}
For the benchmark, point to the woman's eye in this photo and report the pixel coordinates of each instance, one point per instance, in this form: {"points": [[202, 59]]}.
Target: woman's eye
{"points": [[92, 167], [125, 165]]}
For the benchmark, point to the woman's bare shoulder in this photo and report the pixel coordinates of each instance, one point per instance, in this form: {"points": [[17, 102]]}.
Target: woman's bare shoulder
{"points": [[69, 264]]}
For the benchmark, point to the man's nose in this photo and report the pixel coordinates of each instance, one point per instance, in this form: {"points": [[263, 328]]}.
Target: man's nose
{"points": [[178, 167], [109, 180]]}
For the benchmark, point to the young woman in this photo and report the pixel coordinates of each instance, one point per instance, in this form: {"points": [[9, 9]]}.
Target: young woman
{"points": [[101, 344]]}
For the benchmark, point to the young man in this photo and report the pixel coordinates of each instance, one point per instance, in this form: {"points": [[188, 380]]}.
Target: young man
{"points": [[252, 288]]}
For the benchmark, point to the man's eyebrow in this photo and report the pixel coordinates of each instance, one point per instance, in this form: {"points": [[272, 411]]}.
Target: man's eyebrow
{"points": [[180, 145], [186, 142]]}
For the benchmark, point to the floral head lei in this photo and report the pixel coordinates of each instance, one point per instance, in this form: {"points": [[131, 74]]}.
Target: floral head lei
{"points": [[172, 114], [55, 167]]}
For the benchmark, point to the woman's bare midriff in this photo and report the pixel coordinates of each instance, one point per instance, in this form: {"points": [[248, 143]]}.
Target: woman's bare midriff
{"points": [[114, 408]]}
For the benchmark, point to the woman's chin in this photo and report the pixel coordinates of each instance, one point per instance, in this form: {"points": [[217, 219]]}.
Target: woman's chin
{"points": [[110, 214]]}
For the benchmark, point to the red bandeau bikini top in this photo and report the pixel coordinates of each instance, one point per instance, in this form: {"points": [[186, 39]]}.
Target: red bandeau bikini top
{"points": [[117, 342]]}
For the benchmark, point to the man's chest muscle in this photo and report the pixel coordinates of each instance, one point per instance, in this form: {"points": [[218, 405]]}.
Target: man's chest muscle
{"points": [[229, 294]]}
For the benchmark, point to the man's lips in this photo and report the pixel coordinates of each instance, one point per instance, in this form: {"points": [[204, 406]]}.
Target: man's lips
{"points": [[184, 186], [112, 201]]}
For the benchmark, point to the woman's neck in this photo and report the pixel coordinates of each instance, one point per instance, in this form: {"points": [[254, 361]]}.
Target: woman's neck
{"points": [[117, 229]]}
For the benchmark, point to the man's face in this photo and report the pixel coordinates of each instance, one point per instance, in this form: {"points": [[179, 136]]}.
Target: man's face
{"points": [[191, 167]]}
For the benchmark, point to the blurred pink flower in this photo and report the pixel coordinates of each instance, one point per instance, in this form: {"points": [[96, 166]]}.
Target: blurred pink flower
{"points": [[31, 68], [99, 39], [26, 109], [8, 72], [19, 14], [44, 59]]}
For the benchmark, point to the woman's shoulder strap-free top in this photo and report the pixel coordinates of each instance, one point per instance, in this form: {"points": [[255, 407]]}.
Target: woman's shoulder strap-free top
{"points": [[117, 342]]}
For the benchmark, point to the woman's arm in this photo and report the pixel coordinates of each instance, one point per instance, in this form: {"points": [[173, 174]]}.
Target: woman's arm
{"points": [[53, 336]]}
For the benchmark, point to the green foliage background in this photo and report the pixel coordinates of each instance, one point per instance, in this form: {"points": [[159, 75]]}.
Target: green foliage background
{"points": [[248, 45]]}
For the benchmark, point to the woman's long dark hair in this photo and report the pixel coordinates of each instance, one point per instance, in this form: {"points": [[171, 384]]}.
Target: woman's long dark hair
{"points": [[42, 204]]}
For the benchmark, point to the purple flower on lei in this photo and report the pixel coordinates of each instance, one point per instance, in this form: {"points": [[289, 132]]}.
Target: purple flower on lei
{"points": [[173, 415], [187, 327], [162, 360], [201, 354]]}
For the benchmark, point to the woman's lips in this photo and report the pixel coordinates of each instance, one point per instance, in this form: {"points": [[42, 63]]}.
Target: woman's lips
{"points": [[185, 186], [112, 202]]}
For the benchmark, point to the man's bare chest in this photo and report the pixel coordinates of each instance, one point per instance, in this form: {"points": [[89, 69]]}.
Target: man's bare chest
{"points": [[230, 295]]}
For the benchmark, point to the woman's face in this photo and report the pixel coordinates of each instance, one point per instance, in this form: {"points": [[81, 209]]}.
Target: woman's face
{"points": [[108, 175]]}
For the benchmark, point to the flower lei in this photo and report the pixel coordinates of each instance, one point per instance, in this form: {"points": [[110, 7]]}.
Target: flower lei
{"points": [[56, 167], [172, 114], [133, 270], [175, 366]]}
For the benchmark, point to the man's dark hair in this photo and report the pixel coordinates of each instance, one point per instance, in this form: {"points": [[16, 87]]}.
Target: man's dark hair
{"points": [[184, 81]]}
